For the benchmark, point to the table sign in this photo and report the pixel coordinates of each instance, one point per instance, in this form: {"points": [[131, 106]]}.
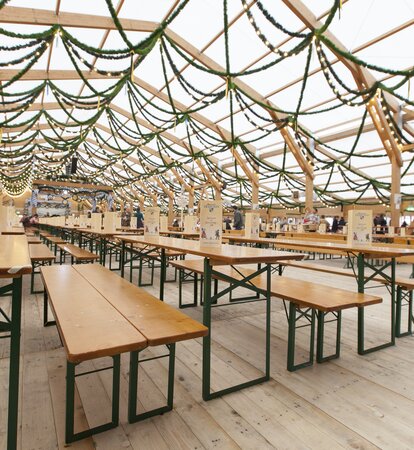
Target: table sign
{"points": [[152, 221], [82, 220], [252, 225], [190, 224], [211, 219], [96, 221], [278, 227], [359, 227], [402, 231], [391, 231], [118, 221], [300, 228], [322, 228], [109, 221], [163, 223]]}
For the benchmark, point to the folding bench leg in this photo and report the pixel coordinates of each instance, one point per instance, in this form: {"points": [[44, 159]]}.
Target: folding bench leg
{"points": [[134, 362], [182, 276], [401, 296], [46, 321], [309, 315], [70, 435], [320, 335]]}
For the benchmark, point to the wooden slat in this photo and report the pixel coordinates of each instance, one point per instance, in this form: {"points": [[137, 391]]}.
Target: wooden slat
{"points": [[157, 321], [78, 253], [40, 252], [14, 256], [223, 254], [90, 327]]}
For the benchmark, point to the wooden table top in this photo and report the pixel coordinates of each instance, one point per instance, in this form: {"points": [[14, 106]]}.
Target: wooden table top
{"points": [[77, 305], [224, 254], [157, 321], [14, 256], [369, 249], [180, 233], [13, 231]]}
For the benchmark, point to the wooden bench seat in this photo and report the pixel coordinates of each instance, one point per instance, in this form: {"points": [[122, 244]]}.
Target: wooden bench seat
{"points": [[77, 254], [33, 240], [305, 298], [99, 314], [404, 297], [40, 255]]}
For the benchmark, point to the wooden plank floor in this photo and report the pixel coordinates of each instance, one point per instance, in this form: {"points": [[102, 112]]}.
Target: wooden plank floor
{"points": [[354, 402]]}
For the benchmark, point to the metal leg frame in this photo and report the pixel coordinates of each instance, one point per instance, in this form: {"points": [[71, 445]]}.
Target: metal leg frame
{"points": [[294, 316], [36, 264], [46, 321], [405, 296], [362, 280], [183, 277], [70, 435], [208, 299], [337, 317], [133, 386], [12, 325]]}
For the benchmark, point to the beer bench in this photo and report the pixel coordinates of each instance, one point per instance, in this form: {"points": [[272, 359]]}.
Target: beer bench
{"points": [[99, 314], [404, 297], [77, 254], [306, 301], [40, 255]]}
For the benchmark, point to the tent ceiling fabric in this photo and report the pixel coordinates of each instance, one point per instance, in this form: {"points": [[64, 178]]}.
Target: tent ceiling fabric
{"points": [[181, 93]]}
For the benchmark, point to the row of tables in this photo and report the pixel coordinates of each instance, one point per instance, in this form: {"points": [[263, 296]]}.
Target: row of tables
{"points": [[15, 262]]}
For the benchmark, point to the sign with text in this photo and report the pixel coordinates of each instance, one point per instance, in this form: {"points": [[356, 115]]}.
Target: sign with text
{"points": [[96, 221], [109, 221], [359, 227], [190, 224], [163, 223], [211, 219], [252, 225], [152, 221]]}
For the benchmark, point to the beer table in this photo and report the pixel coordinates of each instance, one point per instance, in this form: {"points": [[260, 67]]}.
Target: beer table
{"points": [[216, 256], [14, 263], [182, 234], [362, 253]]}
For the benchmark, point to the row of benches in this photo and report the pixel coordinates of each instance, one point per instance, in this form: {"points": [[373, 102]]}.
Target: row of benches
{"points": [[99, 314], [306, 301]]}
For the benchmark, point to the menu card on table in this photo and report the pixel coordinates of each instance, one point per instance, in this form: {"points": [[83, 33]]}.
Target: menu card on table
{"points": [[252, 225], [359, 227], [152, 221], [211, 218]]}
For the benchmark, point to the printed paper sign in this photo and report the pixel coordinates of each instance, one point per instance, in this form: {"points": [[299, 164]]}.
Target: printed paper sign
{"points": [[109, 222], [190, 224], [359, 227], [96, 221], [252, 225], [163, 223], [152, 221], [211, 219]]}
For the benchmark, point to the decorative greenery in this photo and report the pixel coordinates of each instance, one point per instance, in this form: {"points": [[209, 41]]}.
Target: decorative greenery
{"points": [[165, 138]]}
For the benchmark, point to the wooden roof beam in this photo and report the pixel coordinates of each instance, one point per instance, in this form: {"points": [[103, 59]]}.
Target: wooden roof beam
{"points": [[362, 76]]}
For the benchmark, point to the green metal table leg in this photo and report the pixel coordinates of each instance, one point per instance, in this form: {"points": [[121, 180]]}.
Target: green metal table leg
{"points": [[134, 362], [122, 258], [15, 327], [163, 270], [207, 322], [361, 313]]}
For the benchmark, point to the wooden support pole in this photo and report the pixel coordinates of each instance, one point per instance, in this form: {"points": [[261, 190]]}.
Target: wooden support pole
{"points": [[395, 192], [255, 189], [309, 185], [170, 210]]}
